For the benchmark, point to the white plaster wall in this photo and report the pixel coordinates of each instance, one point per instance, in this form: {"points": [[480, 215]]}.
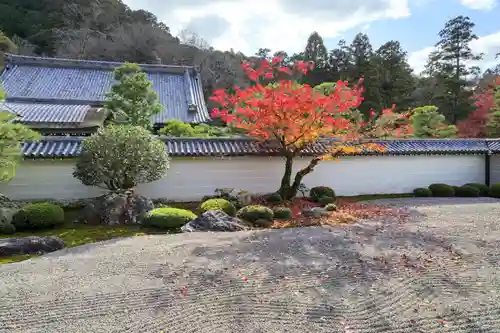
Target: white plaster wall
{"points": [[190, 179], [495, 169]]}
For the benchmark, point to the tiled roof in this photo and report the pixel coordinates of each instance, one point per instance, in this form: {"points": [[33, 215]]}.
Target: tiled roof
{"points": [[48, 113], [434, 146], [58, 146], [64, 81], [493, 145]]}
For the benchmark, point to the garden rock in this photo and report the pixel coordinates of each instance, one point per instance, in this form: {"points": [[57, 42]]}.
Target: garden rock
{"points": [[6, 202], [214, 220], [6, 214], [319, 212], [120, 207], [30, 245], [307, 212]]}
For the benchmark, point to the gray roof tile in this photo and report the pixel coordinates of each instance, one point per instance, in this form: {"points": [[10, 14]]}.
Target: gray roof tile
{"points": [[57, 146], [48, 113], [493, 145], [63, 81]]}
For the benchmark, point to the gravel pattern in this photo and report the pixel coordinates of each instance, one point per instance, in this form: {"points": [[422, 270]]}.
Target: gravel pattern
{"points": [[437, 272]]}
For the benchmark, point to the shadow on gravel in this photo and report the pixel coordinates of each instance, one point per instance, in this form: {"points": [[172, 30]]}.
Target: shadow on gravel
{"points": [[368, 277]]}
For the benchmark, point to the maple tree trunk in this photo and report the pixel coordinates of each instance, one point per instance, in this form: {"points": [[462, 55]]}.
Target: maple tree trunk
{"points": [[285, 187], [288, 190]]}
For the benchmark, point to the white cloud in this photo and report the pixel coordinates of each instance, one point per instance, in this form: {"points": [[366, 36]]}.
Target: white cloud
{"points": [[275, 24], [479, 4], [418, 59], [489, 45]]}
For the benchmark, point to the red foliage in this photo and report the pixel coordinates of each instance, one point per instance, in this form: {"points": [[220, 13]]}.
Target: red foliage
{"points": [[367, 210], [295, 115], [347, 211], [475, 126]]}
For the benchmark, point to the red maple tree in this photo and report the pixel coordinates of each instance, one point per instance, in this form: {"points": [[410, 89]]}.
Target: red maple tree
{"points": [[476, 124], [294, 116]]}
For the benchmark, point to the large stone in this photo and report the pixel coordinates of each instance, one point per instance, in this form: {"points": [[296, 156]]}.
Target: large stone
{"points": [[6, 202], [7, 213], [114, 208], [314, 212], [214, 220], [30, 245]]}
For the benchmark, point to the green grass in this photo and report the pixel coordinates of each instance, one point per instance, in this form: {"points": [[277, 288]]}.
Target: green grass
{"points": [[16, 258], [75, 235]]}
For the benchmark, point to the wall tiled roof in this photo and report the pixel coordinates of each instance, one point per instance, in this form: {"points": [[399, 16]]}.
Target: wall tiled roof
{"points": [[60, 147], [65, 81], [493, 145], [48, 113]]}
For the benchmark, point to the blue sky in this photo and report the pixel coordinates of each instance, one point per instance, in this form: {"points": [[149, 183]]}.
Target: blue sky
{"points": [[245, 25], [421, 28]]}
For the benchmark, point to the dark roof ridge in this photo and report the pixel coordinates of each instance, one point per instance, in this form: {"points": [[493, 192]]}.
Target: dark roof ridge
{"points": [[242, 138], [90, 64]]}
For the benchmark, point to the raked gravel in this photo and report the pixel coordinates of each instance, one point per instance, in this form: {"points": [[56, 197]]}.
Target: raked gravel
{"points": [[437, 272]]}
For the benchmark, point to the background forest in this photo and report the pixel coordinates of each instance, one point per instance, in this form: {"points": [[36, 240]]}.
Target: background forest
{"points": [[109, 30]]}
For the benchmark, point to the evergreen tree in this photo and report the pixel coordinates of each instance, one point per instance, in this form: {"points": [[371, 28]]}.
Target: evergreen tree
{"points": [[448, 63], [133, 100], [316, 52], [396, 81], [362, 67], [12, 135], [426, 122]]}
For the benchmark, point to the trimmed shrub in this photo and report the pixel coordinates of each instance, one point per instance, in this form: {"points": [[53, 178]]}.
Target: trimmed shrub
{"points": [[321, 191], [483, 189], [494, 191], [422, 192], [331, 207], [467, 191], [273, 198], [263, 223], [442, 190], [282, 213], [7, 228], [253, 213], [326, 200], [218, 204], [38, 216], [168, 218], [455, 188]]}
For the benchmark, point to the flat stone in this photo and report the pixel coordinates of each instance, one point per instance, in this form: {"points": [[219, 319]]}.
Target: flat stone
{"points": [[214, 220], [30, 245]]}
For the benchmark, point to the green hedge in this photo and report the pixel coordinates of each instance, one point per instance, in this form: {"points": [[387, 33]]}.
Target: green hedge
{"points": [[7, 228], [326, 200], [483, 189], [218, 204], [282, 213], [273, 198], [442, 190], [422, 192], [38, 216], [494, 191], [255, 212], [321, 191], [168, 218], [467, 191]]}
